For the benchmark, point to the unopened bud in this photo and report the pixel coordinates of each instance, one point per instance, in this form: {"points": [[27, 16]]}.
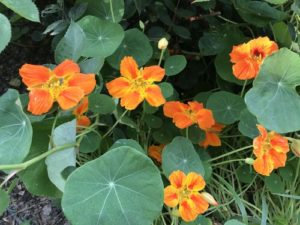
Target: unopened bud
{"points": [[209, 198], [175, 212], [249, 161], [163, 44], [295, 146]]}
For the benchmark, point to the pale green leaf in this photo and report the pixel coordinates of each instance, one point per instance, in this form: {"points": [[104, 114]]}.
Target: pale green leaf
{"points": [[5, 31]]}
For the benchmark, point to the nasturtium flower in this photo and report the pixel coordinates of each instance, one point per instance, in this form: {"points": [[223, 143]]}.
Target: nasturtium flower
{"points": [[65, 85], [154, 151], [185, 115], [81, 119], [135, 85], [183, 192], [271, 150], [248, 57], [211, 136]]}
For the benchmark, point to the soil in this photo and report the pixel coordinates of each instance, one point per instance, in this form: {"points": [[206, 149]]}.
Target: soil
{"points": [[25, 209]]}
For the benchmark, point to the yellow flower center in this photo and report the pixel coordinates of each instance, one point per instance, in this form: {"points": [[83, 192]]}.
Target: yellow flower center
{"points": [[184, 193], [55, 85], [258, 55]]}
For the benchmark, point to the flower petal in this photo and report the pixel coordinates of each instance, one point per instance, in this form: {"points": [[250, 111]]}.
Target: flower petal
{"points": [[34, 75], [182, 120], [200, 203], [263, 165], [171, 198], [279, 143], [82, 107], [40, 101], [66, 68], [153, 73], [70, 97], [279, 159], [187, 210], [246, 69], [83, 121], [86, 82], [177, 179], [211, 139], [129, 68], [194, 182], [131, 100], [173, 107], [205, 119], [154, 96], [240, 52], [155, 151], [118, 87]]}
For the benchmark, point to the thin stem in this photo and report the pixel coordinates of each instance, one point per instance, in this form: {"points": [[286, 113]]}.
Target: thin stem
{"points": [[11, 175], [230, 153], [115, 124], [112, 11], [161, 56], [53, 128], [228, 161], [244, 87], [187, 133], [24, 165]]}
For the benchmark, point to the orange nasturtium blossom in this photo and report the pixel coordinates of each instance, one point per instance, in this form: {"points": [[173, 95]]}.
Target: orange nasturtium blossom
{"points": [[154, 151], [185, 115], [184, 191], [248, 57], [79, 111], [211, 136], [271, 150], [136, 84], [65, 85]]}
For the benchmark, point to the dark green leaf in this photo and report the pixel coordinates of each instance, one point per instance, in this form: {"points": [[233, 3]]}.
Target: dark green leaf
{"points": [[90, 143], [100, 103], [175, 64]]}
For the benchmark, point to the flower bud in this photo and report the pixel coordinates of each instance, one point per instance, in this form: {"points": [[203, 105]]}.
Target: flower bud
{"points": [[249, 161], [209, 198], [163, 44], [295, 146]]}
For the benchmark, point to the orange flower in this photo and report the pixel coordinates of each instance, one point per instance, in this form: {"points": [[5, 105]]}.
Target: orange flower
{"points": [[65, 85], [248, 57], [184, 191], [185, 115], [82, 120], [154, 151], [211, 136], [135, 84], [270, 149]]}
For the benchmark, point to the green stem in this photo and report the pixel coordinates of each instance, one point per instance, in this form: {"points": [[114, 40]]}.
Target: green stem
{"points": [[228, 161], [112, 11], [161, 56], [24, 165], [230, 153], [115, 124], [53, 127], [244, 87], [187, 133]]}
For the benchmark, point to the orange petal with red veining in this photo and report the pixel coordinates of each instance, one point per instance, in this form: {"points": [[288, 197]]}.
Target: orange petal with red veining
{"points": [[171, 198], [83, 121], [263, 165], [245, 70], [239, 53], [86, 82], [279, 159], [129, 68], [177, 179], [187, 210], [40, 101], [194, 182], [34, 75], [131, 100], [153, 73], [118, 87], [82, 108], [200, 203], [70, 97], [154, 96], [66, 68]]}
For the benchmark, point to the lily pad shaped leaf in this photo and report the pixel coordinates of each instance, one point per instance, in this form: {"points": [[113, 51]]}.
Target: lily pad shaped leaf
{"points": [[15, 129], [273, 98], [122, 187]]}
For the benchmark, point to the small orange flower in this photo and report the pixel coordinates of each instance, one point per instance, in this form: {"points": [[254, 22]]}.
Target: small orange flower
{"points": [[135, 84], [185, 115], [248, 57], [184, 191], [81, 119], [270, 149], [154, 151], [211, 136], [65, 85]]}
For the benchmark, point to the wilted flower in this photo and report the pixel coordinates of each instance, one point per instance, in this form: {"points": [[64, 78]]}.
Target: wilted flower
{"points": [[135, 84]]}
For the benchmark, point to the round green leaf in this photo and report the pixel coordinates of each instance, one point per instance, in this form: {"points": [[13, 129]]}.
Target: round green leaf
{"points": [[15, 129], [245, 174], [247, 124], [287, 173], [153, 121], [175, 64], [128, 143], [167, 89], [195, 134], [100, 103], [5, 31], [226, 106], [90, 143], [224, 68], [180, 154], [131, 45], [112, 10], [102, 37], [274, 183], [4, 201], [273, 98], [121, 187]]}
